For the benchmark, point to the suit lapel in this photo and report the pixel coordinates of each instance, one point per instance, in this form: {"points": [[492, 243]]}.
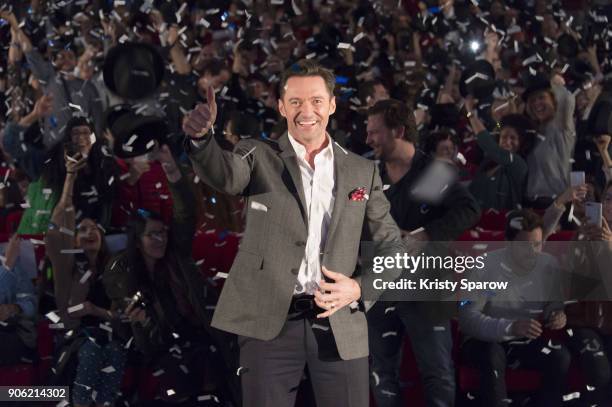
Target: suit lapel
{"points": [[340, 169], [289, 158]]}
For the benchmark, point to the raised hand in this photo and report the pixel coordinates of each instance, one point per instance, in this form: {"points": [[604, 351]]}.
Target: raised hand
{"points": [[200, 120], [165, 158], [74, 164], [43, 106]]}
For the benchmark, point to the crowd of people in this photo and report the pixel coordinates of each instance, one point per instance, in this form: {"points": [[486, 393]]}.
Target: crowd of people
{"points": [[513, 97]]}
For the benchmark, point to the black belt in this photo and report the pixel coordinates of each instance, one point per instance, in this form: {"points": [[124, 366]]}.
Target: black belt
{"points": [[304, 306]]}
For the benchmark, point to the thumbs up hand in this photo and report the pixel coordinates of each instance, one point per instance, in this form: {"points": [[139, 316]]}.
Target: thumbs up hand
{"points": [[200, 120]]}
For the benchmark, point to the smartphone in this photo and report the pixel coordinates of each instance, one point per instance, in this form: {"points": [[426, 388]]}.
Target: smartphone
{"points": [[577, 178], [594, 213]]}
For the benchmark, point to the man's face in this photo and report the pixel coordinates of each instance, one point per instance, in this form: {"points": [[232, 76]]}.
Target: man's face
{"points": [[217, 81], [65, 61], [307, 105], [257, 89], [380, 93], [541, 106], [380, 138], [526, 247]]}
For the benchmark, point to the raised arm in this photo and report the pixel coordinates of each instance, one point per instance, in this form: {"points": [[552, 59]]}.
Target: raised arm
{"points": [[183, 208], [229, 172], [60, 237]]}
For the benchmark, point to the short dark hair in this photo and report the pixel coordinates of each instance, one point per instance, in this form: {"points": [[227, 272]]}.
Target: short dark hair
{"points": [[395, 115], [308, 67], [215, 67], [524, 220], [433, 138], [367, 89]]}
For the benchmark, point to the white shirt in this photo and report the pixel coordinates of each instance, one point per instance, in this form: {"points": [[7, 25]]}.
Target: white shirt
{"points": [[318, 184]]}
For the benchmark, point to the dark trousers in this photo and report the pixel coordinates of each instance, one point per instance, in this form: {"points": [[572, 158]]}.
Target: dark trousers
{"points": [[432, 346], [492, 359], [271, 371], [13, 351], [594, 353]]}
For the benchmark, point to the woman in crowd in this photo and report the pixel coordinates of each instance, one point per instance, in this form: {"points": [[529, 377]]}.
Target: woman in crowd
{"points": [[78, 255], [17, 309], [501, 180], [170, 306], [94, 190]]}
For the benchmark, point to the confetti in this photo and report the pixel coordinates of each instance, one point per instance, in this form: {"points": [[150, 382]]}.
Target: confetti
{"points": [[571, 396], [75, 308], [53, 317]]}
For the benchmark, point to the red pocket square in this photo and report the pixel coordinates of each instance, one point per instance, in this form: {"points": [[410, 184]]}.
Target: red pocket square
{"points": [[359, 194]]}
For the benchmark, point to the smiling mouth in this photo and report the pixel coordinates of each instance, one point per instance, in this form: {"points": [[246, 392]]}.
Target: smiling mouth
{"points": [[307, 124]]}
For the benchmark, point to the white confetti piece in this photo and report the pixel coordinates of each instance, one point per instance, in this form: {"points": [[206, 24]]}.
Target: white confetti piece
{"points": [[545, 350], [390, 333], [571, 396], [220, 275], [208, 397], [439, 328], [358, 37], [66, 231], [320, 327], [72, 251], [248, 153], [53, 317], [75, 308], [108, 369]]}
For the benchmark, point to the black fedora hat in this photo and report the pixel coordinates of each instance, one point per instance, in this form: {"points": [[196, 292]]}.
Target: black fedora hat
{"points": [[133, 70], [535, 83], [134, 134], [478, 80]]}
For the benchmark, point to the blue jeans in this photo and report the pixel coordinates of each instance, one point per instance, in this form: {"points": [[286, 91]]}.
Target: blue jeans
{"points": [[432, 345]]}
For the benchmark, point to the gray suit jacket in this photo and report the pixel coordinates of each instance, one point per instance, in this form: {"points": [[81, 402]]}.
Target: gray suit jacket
{"points": [[257, 294]]}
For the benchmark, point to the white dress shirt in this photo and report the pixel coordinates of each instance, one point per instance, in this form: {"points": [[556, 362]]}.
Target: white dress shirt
{"points": [[318, 184]]}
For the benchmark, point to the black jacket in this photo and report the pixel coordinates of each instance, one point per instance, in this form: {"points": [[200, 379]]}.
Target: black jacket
{"points": [[457, 212]]}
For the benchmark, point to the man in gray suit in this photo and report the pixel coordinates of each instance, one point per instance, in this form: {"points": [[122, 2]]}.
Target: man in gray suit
{"points": [[292, 295]]}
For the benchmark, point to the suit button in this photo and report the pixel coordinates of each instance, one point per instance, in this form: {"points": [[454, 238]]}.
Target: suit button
{"points": [[300, 243], [295, 271]]}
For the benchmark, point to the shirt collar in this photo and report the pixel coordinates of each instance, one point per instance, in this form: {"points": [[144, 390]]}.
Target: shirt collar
{"points": [[300, 150]]}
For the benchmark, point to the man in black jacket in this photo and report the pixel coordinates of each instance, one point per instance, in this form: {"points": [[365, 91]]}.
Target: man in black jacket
{"points": [[391, 133]]}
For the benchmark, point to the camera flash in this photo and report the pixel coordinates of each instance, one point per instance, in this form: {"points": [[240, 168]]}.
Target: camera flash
{"points": [[474, 46]]}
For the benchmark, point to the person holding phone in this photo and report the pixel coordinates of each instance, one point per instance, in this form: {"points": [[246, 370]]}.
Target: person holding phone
{"points": [[166, 302], [78, 253], [590, 317], [94, 185], [507, 328]]}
